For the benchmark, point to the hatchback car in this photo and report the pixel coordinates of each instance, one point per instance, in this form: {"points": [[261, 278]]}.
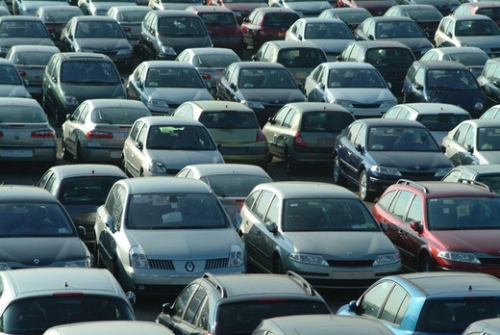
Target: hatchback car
{"points": [[71, 78], [97, 129], [233, 126], [358, 87], [245, 300], [166, 33], [487, 8], [34, 300], [161, 146], [426, 16], [303, 133], [428, 303], [129, 17], [164, 85], [474, 142], [444, 82], [473, 58], [159, 233], [488, 81], [488, 174], [264, 87], [352, 16], [55, 18], [11, 82], [107, 327], [375, 153], [36, 231]]}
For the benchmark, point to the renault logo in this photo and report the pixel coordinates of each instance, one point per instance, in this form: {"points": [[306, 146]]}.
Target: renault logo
{"points": [[189, 266], [36, 261]]}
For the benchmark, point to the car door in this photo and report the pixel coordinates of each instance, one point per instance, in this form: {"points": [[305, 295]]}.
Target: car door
{"points": [[354, 154], [133, 146], [344, 146], [186, 325], [275, 131], [73, 127]]}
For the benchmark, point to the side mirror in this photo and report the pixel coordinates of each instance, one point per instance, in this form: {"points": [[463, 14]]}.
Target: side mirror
{"points": [[69, 117], [254, 58], [246, 20], [371, 37], [140, 85], [300, 37], [166, 308], [358, 147], [208, 85], [26, 82], [322, 86], [271, 120], [353, 307], [496, 83], [469, 148], [233, 86], [131, 297], [81, 231], [419, 87], [108, 221], [416, 226], [139, 145], [383, 226], [219, 146], [389, 84], [271, 227], [54, 79]]}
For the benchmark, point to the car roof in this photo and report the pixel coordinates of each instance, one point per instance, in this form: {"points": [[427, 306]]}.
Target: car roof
{"points": [[122, 327], [306, 189], [416, 6], [55, 8], [173, 13], [24, 193], [79, 170], [320, 20], [439, 189], [258, 65], [20, 18], [441, 65], [145, 185], [227, 169], [97, 18], [378, 122], [479, 168], [347, 65], [170, 121], [468, 17], [306, 107], [390, 19], [15, 101], [34, 47], [483, 4], [455, 50], [131, 8], [100, 103], [220, 106], [266, 10], [431, 108], [88, 56], [484, 122], [206, 51], [380, 44], [167, 64], [4, 61], [293, 44], [209, 9]]}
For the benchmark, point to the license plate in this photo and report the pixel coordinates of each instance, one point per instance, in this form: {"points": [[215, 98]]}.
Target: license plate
{"points": [[326, 141], [115, 154], [351, 275], [17, 153]]}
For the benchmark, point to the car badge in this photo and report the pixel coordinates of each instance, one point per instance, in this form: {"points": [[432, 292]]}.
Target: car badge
{"points": [[36, 261], [17, 136], [417, 167], [350, 254], [189, 267]]}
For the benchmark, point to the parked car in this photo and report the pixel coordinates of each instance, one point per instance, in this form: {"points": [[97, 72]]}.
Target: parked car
{"points": [[375, 153], [106, 327], [474, 142], [376, 8], [488, 326], [173, 4], [265, 24], [241, 307], [160, 232], [439, 118], [11, 82], [30, 62], [264, 87], [426, 16], [488, 174], [473, 58], [37, 299], [352, 16], [233, 126], [29, 7], [100, 7], [81, 188], [26, 135], [444, 82], [129, 17], [318, 229], [166, 33], [162, 146], [164, 85], [488, 8], [55, 18], [358, 87], [391, 58], [240, 8], [332, 35], [71, 78], [231, 182], [488, 81], [97, 34], [446, 7], [427, 303], [36, 231], [305, 8], [4, 11], [402, 29], [303, 133], [491, 113]]}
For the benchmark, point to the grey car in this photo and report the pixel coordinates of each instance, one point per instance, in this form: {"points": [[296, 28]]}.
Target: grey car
{"points": [[320, 230], [162, 146], [473, 58], [129, 18], [156, 233], [29, 7], [11, 82], [55, 18]]}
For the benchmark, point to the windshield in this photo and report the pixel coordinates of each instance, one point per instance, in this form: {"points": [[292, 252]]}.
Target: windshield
{"points": [[174, 77], [320, 122], [469, 59], [442, 121], [237, 185], [88, 190], [179, 26], [36, 58], [22, 114], [451, 80], [9, 75], [179, 138], [229, 120], [488, 139], [89, 72], [476, 28], [342, 78], [117, 115], [400, 139], [389, 57], [265, 78], [223, 19], [324, 30], [421, 14], [214, 60], [301, 57], [99, 29], [398, 30], [61, 15], [23, 29]]}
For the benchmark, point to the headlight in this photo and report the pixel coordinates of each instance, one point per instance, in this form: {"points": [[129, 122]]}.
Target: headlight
{"points": [[4, 266], [441, 172], [124, 52], [343, 103], [71, 100], [388, 103], [137, 258], [387, 259], [78, 49], [308, 259], [385, 170], [478, 106], [84, 263], [455, 256], [157, 167], [252, 104], [236, 256], [157, 103], [168, 50]]}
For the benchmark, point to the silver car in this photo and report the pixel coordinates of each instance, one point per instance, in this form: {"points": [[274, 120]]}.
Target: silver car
{"points": [[130, 19], [162, 146], [320, 230], [97, 129], [26, 133], [473, 58], [160, 232], [11, 83], [108, 327]]}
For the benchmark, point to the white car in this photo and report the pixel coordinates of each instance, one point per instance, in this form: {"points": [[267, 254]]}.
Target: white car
{"points": [[109, 327]]}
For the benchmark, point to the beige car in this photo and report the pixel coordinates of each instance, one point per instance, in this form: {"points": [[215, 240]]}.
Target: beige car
{"points": [[110, 327]]}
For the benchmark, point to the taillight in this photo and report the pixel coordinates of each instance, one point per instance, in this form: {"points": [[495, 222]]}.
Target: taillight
{"points": [[51, 29], [260, 136], [298, 141], [98, 134], [1, 133], [127, 29], [42, 134], [22, 73], [261, 32], [206, 76]]}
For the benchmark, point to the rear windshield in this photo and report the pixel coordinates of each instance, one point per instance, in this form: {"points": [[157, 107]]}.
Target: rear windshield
{"points": [[118, 115], [320, 122], [301, 57], [442, 122], [87, 190], [381, 57], [22, 114], [244, 317], [229, 120], [237, 186]]}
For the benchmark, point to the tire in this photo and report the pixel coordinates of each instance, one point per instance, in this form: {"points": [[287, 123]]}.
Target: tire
{"points": [[364, 192], [425, 264], [66, 155], [277, 265], [291, 166], [337, 176], [80, 155]]}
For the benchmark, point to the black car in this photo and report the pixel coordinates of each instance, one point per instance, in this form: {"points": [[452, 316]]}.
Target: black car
{"points": [[427, 16], [166, 33], [99, 34], [446, 7], [265, 87], [489, 81]]}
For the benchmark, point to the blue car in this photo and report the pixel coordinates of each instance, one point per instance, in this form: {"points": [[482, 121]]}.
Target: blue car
{"points": [[429, 302], [375, 153]]}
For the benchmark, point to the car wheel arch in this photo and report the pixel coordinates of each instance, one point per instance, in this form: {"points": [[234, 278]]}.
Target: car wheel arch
{"points": [[425, 260]]}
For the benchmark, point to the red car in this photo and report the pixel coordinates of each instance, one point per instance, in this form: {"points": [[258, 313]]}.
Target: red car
{"points": [[442, 226], [267, 23], [487, 8], [375, 7], [240, 8]]}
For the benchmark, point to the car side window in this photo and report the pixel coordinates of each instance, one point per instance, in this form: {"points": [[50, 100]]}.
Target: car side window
{"points": [[250, 200], [396, 306], [372, 301], [385, 200], [453, 176], [268, 54], [203, 316], [459, 136], [287, 123], [469, 138], [356, 50], [183, 299], [443, 24], [401, 204], [55, 70], [194, 305], [273, 212], [361, 136], [317, 74], [280, 116], [262, 204], [344, 55], [83, 114], [403, 114], [415, 211], [135, 130], [353, 131], [142, 135], [419, 79], [184, 111], [450, 28], [118, 206], [496, 74], [392, 113], [50, 182]]}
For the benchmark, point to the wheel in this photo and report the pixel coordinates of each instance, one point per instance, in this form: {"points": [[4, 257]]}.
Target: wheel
{"points": [[98, 258], [66, 155], [53, 116], [364, 192], [277, 265], [337, 176], [290, 165], [425, 264], [80, 156]]}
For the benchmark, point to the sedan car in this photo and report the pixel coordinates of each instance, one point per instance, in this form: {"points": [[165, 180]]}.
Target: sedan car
{"points": [[159, 232], [130, 19], [231, 182], [426, 16], [233, 126], [162, 146], [488, 174], [375, 153], [30, 62], [55, 18], [474, 142], [303, 133], [428, 303], [375, 7], [320, 230], [26, 135], [352, 16], [36, 231], [264, 87], [359, 87], [488, 8], [97, 34], [164, 85], [97, 129], [107, 327], [11, 82], [473, 58]]}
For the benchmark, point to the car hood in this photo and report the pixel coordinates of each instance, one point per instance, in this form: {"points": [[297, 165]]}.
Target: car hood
{"points": [[364, 95], [341, 245], [423, 160], [104, 44], [244, 7], [184, 244], [274, 95], [483, 42], [178, 95], [7, 42], [488, 157], [308, 6], [331, 45], [181, 43], [13, 91], [470, 240], [413, 43], [85, 91], [177, 159], [23, 251]]}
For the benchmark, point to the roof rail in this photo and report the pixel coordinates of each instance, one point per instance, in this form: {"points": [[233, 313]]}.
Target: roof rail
{"points": [[216, 283], [301, 281], [474, 183], [414, 184]]}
